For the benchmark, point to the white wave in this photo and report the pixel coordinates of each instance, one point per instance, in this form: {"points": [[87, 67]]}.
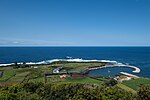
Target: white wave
{"points": [[6, 64], [69, 60], [107, 61], [30, 63], [80, 60], [68, 57]]}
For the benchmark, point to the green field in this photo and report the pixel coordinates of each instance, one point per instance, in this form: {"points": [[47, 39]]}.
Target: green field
{"points": [[136, 83], [126, 88], [83, 80], [39, 79], [86, 80], [18, 78], [78, 66], [7, 74], [20, 75]]}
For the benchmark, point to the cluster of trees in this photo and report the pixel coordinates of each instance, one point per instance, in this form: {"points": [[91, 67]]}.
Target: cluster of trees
{"points": [[144, 92], [69, 91]]}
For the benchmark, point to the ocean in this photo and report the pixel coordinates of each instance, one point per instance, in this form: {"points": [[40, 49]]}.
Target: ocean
{"points": [[136, 56]]}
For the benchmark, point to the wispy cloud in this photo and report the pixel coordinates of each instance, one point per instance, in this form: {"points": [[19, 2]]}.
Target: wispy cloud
{"points": [[21, 42]]}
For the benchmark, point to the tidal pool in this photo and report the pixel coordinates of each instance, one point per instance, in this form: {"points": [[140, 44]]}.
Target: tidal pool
{"points": [[109, 72]]}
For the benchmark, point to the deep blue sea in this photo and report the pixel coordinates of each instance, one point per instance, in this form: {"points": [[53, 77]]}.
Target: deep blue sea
{"points": [[137, 56]]}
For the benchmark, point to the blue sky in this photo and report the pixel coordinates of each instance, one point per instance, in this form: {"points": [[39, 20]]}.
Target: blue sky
{"points": [[74, 22]]}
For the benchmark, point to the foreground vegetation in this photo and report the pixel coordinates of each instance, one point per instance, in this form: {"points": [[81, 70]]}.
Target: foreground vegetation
{"points": [[63, 91], [70, 91], [136, 83]]}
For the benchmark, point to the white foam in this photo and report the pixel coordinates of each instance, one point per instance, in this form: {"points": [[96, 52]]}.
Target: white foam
{"points": [[30, 63], [68, 57], [80, 60], [69, 60], [5, 64]]}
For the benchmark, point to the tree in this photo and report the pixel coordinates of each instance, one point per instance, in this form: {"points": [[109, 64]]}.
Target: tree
{"points": [[111, 82], [144, 92]]}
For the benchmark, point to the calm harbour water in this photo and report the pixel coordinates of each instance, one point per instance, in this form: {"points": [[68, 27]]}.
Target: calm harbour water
{"points": [[137, 56]]}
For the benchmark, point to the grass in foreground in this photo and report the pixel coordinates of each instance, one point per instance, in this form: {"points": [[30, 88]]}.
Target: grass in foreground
{"points": [[126, 88], [136, 83]]}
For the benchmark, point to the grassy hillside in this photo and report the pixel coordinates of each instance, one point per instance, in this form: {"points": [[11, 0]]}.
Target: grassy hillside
{"points": [[86, 80], [126, 88], [136, 83]]}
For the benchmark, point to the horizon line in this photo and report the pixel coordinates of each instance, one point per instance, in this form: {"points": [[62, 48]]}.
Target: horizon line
{"points": [[81, 46]]}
